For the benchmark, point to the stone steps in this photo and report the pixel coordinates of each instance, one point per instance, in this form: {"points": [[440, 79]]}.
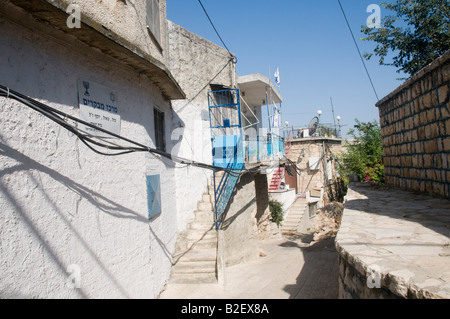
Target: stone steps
{"points": [[297, 212], [194, 278], [196, 249]]}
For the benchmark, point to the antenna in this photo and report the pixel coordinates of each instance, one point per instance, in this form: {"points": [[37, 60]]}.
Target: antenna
{"points": [[334, 119], [313, 125]]}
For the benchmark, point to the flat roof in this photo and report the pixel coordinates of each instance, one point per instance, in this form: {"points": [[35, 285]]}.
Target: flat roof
{"points": [[255, 88]]}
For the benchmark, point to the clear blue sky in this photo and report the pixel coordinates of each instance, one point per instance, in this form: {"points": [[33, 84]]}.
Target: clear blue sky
{"points": [[309, 42]]}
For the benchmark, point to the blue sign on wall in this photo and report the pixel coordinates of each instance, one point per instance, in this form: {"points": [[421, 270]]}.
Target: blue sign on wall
{"points": [[154, 196]]}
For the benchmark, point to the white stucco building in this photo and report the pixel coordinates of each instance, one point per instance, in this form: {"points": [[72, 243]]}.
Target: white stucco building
{"points": [[78, 224], [75, 223]]}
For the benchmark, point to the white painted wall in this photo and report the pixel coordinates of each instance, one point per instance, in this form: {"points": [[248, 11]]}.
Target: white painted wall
{"points": [[194, 61], [62, 204]]}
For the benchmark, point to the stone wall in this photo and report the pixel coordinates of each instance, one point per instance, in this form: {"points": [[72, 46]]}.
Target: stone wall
{"points": [[415, 127], [305, 148]]}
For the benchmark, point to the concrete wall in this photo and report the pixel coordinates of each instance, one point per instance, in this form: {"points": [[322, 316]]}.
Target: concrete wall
{"points": [[128, 19], [239, 233], [194, 62], [415, 127], [264, 224], [62, 204], [285, 197]]}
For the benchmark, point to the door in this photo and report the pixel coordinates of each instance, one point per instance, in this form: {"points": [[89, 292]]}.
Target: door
{"points": [[291, 180]]}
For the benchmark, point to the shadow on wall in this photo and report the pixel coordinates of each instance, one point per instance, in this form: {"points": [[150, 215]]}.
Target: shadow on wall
{"points": [[97, 200]]}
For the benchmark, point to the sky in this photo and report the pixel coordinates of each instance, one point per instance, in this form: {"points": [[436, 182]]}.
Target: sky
{"points": [[311, 45]]}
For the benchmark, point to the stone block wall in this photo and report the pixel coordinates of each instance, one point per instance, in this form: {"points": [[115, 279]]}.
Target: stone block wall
{"points": [[305, 148], [415, 127]]}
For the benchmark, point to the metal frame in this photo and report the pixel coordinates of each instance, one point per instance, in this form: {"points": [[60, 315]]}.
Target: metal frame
{"points": [[224, 190]]}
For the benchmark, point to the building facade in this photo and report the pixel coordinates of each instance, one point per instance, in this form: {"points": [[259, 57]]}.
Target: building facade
{"points": [[74, 223], [315, 171]]}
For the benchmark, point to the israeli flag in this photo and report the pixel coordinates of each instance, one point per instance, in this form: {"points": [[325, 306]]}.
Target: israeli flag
{"points": [[277, 77]]}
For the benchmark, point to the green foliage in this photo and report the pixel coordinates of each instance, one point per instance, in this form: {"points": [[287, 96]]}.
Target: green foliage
{"points": [[327, 131], [418, 33], [276, 209], [364, 156]]}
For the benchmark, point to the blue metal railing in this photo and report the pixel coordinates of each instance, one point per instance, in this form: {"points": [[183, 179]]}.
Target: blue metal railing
{"points": [[264, 149], [224, 191], [226, 133]]}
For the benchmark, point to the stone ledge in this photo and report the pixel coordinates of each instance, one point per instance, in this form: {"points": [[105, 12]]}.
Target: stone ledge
{"points": [[401, 240]]}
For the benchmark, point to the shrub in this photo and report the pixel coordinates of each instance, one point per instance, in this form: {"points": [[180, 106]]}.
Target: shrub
{"points": [[276, 210], [364, 156]]}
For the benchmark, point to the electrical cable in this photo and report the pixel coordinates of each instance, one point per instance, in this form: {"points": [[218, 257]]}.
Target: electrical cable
{"points": [[212, 24], [62, 119], [359, 52], [91, 141]]}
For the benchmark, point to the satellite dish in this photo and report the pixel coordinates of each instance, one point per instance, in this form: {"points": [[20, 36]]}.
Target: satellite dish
{"points": [[313, 125]]}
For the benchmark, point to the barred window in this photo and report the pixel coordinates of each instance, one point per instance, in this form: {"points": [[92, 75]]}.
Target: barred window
{"points": [[160, 134]]}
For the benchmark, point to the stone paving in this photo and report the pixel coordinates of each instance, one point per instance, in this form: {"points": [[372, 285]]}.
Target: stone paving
{"points": [[405, 235], [290, 269]]}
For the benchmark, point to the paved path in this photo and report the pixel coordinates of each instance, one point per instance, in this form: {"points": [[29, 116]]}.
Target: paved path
{"points": [[291, 269], [405, 235]]}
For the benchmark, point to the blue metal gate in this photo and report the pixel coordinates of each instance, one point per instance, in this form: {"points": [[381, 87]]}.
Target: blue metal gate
{"points": [[227, 145]]}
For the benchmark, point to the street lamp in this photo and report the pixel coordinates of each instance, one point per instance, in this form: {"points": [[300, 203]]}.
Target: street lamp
{"points": [[286, 125], [339, 125], [319, 112]]}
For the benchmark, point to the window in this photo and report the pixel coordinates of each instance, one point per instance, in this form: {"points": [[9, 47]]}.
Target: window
{"points": [[153, 19], [160, 134]]}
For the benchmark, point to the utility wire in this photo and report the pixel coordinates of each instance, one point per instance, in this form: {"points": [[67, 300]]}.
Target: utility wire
{"points": [[357, 47], [212, 24], [206, 85], [90, 141]]}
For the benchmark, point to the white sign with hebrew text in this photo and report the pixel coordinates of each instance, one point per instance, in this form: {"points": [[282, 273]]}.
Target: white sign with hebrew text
{"points": [[98, 106]]}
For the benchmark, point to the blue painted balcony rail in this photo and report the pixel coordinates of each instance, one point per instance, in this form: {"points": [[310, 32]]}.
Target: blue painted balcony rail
{"points": [[264, 149]]}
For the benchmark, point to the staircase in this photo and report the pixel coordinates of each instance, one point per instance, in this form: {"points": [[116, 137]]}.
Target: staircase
{"points": [[278, 175], [196, 249], [277, 178], [297, 215]]}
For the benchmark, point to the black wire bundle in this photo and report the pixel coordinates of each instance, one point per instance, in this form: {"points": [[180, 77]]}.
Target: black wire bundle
{"points": [[89, 140], [290, 165]]}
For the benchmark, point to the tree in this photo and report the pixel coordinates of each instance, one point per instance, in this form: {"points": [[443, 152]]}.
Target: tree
{"points": [[364, 156], [424, 36]]}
